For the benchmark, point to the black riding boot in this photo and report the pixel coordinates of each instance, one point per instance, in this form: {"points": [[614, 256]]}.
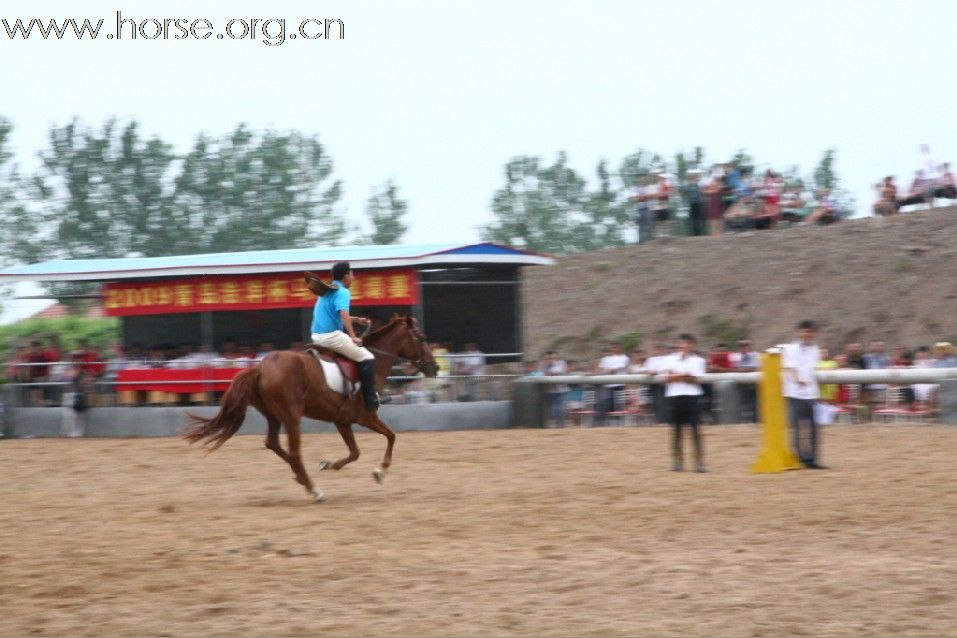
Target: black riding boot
{"points": [[367, 376]]}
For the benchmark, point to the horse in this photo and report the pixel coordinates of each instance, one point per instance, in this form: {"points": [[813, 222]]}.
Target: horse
{"points": [[286, 386]]}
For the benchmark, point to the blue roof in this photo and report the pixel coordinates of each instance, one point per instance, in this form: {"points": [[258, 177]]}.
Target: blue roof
{"points": [[258, 261]]}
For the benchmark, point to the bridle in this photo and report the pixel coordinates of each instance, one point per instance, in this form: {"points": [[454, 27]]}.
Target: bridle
{"points": [[420, 339]]}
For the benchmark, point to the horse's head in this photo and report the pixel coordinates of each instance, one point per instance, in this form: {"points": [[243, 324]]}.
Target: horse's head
{"points": [[409, 343]]}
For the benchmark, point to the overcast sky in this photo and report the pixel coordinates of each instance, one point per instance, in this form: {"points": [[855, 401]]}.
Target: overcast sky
{"points": [[439, 95]]}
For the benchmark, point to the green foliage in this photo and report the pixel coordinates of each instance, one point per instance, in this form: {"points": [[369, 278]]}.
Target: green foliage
{"points": [[18, 223], [249, 191], [825, 176], [631, 340], [385, 212], [550, 208], [100, 333], [721, 330], [112, 192]]}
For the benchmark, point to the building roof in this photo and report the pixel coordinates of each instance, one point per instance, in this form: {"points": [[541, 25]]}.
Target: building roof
{"points": [[263, 261]]}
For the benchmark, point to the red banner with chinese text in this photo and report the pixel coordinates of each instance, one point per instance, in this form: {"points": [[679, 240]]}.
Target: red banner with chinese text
{"points": [[251, 292]]}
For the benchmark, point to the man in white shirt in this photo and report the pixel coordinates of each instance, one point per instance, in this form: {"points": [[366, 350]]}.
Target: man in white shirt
{"points": [[471, 364], [682, 371], [653, 367], [745, 359], [615, 361], [799, 362], [553, 366]]}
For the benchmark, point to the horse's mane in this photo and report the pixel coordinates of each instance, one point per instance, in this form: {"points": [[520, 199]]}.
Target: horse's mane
{"points": [[382, 331]]}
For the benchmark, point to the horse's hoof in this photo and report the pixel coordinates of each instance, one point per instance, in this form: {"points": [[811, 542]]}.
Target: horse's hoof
{"points": [[318, 496], [378, 474], [324, 464]]}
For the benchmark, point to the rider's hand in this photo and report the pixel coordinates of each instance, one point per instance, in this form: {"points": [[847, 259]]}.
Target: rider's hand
{"points": [[357, 341]]}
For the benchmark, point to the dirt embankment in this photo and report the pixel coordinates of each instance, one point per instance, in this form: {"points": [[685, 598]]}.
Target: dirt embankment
{"points": [[888, 278]]}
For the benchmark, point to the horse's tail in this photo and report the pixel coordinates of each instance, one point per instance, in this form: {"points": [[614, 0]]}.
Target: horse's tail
{"points": [[217, 430]]}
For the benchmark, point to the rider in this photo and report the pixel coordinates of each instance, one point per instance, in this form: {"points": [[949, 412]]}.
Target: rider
{"points": [[332, 329]]}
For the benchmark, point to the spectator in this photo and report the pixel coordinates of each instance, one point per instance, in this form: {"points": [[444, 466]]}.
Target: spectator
{"points": [[770, 212], [745, 359], [229, 353], [613, 362], [854, 352], [206, 356], [718, 361], [637, 361], [917, 193], [827, 210], [886, 204], [653, 365], [471, 364], [682, 371], [185, 357], [875, 359], [266, 348], [945, 357], [553, 366], [792, 205], [714, 193], [828, 391], [157, 358], [644, 193], [924, 393], [694, 199], [740, 214], [89, 359], [661, 205], [800, 361], [946, 186], [76, 403], [441, 355], [929, 172], [907, 395]]}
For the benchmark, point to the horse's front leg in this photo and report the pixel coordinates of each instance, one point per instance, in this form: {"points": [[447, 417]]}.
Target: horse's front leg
{"points": [[345, 430], [376, 424]]}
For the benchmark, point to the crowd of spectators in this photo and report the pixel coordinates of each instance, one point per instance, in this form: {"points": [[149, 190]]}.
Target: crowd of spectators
{"points": [[733, 197], [46, 369], [932, 181], [594, 404], [728, 197]]}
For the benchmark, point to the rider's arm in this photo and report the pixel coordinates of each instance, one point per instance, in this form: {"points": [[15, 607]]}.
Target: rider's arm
{"points": [[347, 323]]}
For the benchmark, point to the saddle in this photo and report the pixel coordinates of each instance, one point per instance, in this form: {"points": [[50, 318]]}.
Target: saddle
{"points": [[316, 285], [348, 367]]}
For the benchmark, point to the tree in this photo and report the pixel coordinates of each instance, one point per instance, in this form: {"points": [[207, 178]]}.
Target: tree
{"points": [[104, 193], [19, 222], [99, 193], [825, 176], [550, 209], [253, 192], [385, 211]]}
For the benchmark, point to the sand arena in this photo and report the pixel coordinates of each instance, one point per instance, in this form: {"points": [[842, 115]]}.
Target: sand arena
{"points": [[520, 532]]}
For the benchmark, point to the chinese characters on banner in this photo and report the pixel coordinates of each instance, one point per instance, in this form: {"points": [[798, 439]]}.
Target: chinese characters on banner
{"points": [[251, 292]]}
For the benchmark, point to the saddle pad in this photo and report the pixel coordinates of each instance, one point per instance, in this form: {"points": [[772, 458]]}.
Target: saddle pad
{"points": [[334, 378]]}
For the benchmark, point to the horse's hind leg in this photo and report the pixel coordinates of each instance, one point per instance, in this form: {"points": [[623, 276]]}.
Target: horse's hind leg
{"points": [[272, 443], [295, 459], [376, 424], [345, 429]]}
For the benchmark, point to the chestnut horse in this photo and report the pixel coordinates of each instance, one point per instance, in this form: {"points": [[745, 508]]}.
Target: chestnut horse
{"points": [[287, 386]]}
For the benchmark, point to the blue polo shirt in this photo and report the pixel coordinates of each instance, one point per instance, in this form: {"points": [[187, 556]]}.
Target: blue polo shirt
{"points": [[326, 317]]}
